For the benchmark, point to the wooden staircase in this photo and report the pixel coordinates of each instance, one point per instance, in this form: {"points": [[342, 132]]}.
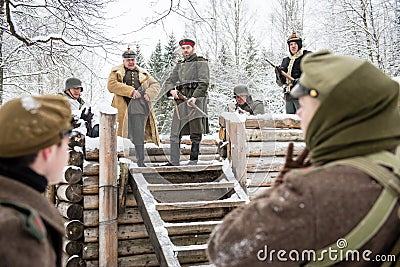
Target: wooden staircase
{"points": [[205, 193]]}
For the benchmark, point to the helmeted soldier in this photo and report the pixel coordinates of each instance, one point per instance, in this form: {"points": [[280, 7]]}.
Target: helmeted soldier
{"points": [[190, 77], [72, 91], [134, 89], [339, 206], [291, 65], [33, 153], [245, 102]]}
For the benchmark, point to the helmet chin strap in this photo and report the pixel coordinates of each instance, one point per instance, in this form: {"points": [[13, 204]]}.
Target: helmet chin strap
{"points": [[71, 95]]}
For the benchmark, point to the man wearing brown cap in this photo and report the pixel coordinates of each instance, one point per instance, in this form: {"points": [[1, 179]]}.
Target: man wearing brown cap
{"points": [[134, 89], [33, 153], [291, 65], [190, 78], [340, 206]]}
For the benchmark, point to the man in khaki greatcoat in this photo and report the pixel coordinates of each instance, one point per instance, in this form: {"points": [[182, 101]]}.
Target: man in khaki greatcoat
{"points": [[33, 153], [134, 89], [342, 207]]}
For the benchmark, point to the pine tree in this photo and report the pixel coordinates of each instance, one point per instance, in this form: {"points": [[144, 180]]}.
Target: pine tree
{"points": [[249, 58], [156, 63], [140, 61], [170, 54]]}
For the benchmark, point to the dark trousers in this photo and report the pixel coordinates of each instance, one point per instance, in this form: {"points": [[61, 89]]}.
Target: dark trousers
{"points": [[136, 133], [136, 124], [292, 104]]}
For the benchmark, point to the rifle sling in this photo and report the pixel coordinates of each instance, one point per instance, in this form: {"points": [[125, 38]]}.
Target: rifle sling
{"points": [[377, 215]]}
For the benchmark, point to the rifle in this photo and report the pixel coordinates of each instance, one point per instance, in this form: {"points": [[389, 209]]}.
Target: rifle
{"points": [[290, 78], [185, 99]]}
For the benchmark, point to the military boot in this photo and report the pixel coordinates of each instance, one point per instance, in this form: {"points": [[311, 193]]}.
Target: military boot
{"points": [[194, 154], [139, 149]]}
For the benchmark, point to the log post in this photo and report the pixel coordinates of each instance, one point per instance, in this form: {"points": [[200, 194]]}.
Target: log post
{"points": [[236, 135], [108, 227]]}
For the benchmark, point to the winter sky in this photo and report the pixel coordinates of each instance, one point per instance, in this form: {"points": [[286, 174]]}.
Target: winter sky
{"points": [[131, 15]]}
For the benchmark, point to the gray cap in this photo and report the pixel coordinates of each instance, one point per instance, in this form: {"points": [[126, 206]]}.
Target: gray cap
{"points": [[73, 83], [241, 89]]}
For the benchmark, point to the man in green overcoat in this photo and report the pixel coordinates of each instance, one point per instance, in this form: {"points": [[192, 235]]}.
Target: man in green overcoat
{"points": [[190, 78]]}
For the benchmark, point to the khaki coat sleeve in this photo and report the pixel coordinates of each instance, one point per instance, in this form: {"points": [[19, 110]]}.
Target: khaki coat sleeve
{"points": [[116, 86]]}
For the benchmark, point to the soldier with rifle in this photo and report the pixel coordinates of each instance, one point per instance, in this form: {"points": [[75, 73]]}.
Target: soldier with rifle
{"points": [[291, 66], [340, 205], [189, 79]]}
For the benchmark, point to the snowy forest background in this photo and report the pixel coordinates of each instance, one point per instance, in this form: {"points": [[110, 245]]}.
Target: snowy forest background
{"points": [[45, 42]]}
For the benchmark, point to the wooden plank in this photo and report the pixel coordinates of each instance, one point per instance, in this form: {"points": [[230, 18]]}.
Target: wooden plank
{"points": [[191, 227], [266, 120], [148, 260], [261, 179], [192, 195], [185, 186], [125, 248], [265, 164], [185, 150], [274, 134], [153, 222], [262, 149], [190, 248], [90, 167], [225, 203], [165, 158], [185, 168], [125, 232], [92, 201]]}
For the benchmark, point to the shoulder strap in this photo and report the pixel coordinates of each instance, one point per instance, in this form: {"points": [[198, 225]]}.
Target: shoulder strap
{"points": [[31, 221], [379, 212]]}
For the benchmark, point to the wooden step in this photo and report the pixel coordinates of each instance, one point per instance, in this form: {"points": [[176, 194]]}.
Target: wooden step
{"points": [[215, 166], [225, 203], [191, 227], [186, 186], [190, 248]]}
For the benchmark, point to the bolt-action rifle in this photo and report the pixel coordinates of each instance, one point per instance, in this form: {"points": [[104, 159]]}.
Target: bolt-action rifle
{"points": [[290, 78], [185, 99]]}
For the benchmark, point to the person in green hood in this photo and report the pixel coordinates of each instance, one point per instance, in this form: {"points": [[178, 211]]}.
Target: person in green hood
{"points": [[337, 203]]}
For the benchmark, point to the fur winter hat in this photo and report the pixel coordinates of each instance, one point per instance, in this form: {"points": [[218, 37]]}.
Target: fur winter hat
{"points": [[32, 123], [295, 38]]}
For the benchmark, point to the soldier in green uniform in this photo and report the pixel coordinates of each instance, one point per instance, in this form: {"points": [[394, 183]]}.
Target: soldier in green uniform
{"points": [[190, 77], [245, 102], [33, 153]]}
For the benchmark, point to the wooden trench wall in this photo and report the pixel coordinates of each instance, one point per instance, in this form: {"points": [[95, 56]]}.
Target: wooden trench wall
{"points": [[78, 200], [256, 148], [257, 145]]}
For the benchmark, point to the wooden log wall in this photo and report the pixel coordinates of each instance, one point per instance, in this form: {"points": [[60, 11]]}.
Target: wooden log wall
{"points": [[134, 247], [266, 140], [69, 202]]}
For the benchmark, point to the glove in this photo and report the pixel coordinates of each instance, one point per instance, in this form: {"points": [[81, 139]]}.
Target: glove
{"points": [[87, 116], [278, 70], [290, 163], [279, 77]]}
